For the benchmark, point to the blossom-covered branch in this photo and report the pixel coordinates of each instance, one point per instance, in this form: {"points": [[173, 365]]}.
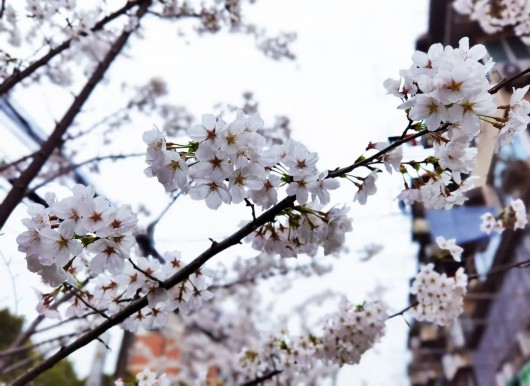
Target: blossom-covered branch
{"points": [[20, 185]]}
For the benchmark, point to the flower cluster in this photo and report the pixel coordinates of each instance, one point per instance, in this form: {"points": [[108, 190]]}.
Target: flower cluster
{"points": [[144, 277], [439, 299], [83, 232], [516, 117], [304, 230], [71, 227], [514, 217], [227, 163], [346, 336], [351, 332], [494, 16], [446, 91]]}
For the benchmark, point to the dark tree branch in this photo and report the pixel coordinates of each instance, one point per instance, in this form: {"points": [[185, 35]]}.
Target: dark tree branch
{"points": [[147, 274], [506, 82], [20, 185], [2, 8], [262, 379], [146, 241], [402, 312], [248, 203]]}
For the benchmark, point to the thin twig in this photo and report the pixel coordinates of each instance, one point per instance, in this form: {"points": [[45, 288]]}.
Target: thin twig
{"points": [[62, 322], [262, 379], [403, 310], [72, 167], [18, 350], [21, 363], [96, 124], [501, 268], [24, 336], [147, 274], [15, 162], [364, 162], [248, 203], [87, 304]]}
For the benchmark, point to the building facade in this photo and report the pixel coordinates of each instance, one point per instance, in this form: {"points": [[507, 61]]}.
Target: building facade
{"points": [[489, 345]]}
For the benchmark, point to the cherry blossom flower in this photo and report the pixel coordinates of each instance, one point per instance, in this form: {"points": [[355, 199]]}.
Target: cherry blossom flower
{"points": [[367, 188], [450, 245]]}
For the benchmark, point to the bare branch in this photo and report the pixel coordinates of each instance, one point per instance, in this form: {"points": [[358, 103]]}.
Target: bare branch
{"points": [[18, 350], [16, 162], [62, 322], [72, 167]]}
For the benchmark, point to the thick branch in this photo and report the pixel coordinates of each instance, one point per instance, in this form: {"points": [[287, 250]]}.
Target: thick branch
{"points": [[20, 185], [17, 76]]}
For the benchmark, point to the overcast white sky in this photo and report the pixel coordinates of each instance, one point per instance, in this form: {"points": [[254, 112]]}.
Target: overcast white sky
{"points": [[333, 95]]}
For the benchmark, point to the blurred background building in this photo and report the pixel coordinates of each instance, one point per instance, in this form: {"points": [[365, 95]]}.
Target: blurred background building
{"points": [[489, 345]]}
